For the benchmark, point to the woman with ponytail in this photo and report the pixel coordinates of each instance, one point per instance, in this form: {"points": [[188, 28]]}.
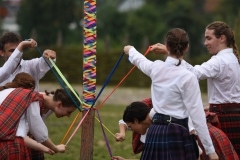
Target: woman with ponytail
{"points": [[168, 135], [222, 72]]}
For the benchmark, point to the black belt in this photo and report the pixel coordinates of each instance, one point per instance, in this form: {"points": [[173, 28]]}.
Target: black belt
{"points": [[166, 119], [231, 108]]}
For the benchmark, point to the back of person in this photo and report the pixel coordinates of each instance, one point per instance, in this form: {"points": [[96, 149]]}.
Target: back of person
{"points": [[170, 81], [168, 136]]}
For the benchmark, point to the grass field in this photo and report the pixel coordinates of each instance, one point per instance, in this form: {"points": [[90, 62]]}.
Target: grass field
{"points": [[111, 112], [110, 116]]}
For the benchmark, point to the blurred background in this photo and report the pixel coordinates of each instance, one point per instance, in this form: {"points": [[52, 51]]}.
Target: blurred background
{"points": [[58, 25]]}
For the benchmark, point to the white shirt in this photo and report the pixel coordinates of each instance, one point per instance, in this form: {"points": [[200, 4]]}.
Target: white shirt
{"points": [[36, 67], [179, 91], [32, 115], [222, 72], [10, 65], [142, 137]]}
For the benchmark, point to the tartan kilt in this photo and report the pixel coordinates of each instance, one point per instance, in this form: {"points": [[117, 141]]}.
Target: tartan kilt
{"points": [[229, 124], [222, 145], [168, 142], [35, 155], [14, 150]]}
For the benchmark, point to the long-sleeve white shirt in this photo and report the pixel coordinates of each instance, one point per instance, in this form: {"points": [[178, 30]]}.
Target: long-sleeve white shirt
{"points": [[222, 72], [175, 92], [7, 69], [32, 116], [36, 67]]}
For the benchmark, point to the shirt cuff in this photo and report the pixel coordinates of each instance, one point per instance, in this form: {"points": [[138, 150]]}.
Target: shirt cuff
{"points": [[152, 112], [209, 150], [122, 122]]}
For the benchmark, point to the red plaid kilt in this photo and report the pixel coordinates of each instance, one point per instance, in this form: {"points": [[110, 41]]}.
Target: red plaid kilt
{"points": [[222, 145], [137, 145], [14, 150], [229, 123]]}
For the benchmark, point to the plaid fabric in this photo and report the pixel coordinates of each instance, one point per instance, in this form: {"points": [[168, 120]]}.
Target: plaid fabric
{"points": [[229, 124], [168, 142], [13, 108], [14, 150], [222, 145], [137, 145], [36, 155], [212, 118]]}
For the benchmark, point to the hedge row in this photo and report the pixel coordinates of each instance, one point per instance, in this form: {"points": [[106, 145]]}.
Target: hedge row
{"points": [[70, 62]]}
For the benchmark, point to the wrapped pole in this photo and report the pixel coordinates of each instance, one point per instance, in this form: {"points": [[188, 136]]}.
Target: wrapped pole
{"points": [[89, 78]]}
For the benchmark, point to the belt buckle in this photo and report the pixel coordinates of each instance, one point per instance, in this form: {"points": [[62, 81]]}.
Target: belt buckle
{"points": [[169, 120], [154, 120]]}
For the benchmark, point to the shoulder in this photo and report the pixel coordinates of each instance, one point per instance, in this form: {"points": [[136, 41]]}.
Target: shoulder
{"points": [[158, 62], [187, 76]]}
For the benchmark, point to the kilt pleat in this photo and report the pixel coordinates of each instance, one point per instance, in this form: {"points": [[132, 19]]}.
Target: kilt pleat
{"points": [[229, 124], [36, 155], [168, 142], [14, 150]]}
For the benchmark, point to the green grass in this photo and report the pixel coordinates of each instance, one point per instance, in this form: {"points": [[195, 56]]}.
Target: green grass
{"points": [[110, 115]]}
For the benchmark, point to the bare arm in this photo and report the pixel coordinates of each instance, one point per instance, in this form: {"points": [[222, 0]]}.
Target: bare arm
{"points": [[119, 137], [30, 143], [56, 148], [159, 49]]}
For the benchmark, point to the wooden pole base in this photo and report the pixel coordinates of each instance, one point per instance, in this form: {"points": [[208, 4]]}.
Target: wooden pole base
{"points": [[87, 136]]}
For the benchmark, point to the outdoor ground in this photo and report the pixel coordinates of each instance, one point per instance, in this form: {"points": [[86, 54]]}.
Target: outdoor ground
{"points": [[110, 112], [122, 95]]}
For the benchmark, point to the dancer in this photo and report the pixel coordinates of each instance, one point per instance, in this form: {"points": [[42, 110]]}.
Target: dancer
{"points": [[222, 72], [19, 106], [36, 67], [168, 136]]}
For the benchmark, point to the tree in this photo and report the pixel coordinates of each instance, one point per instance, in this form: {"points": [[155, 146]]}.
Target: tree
{"points": [[237, 31], [228, 11], [155, 18], [49, 20]]}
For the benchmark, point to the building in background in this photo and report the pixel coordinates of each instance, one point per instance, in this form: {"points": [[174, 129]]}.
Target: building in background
{"points": [[8, 11], [127, 5]]}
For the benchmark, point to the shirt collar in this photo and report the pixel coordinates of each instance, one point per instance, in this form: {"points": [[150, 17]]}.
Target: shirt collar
{"points": [[228, 50], [173, 61]]}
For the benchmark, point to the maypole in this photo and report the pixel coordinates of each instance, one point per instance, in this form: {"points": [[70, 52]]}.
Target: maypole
{"points": [[89, 79]]}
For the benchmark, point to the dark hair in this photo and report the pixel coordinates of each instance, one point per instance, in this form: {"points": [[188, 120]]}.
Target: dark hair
{"points": [[62, 95], [9, 37], [177, 41], [221, 28], [136, 110], [21, 80]]}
